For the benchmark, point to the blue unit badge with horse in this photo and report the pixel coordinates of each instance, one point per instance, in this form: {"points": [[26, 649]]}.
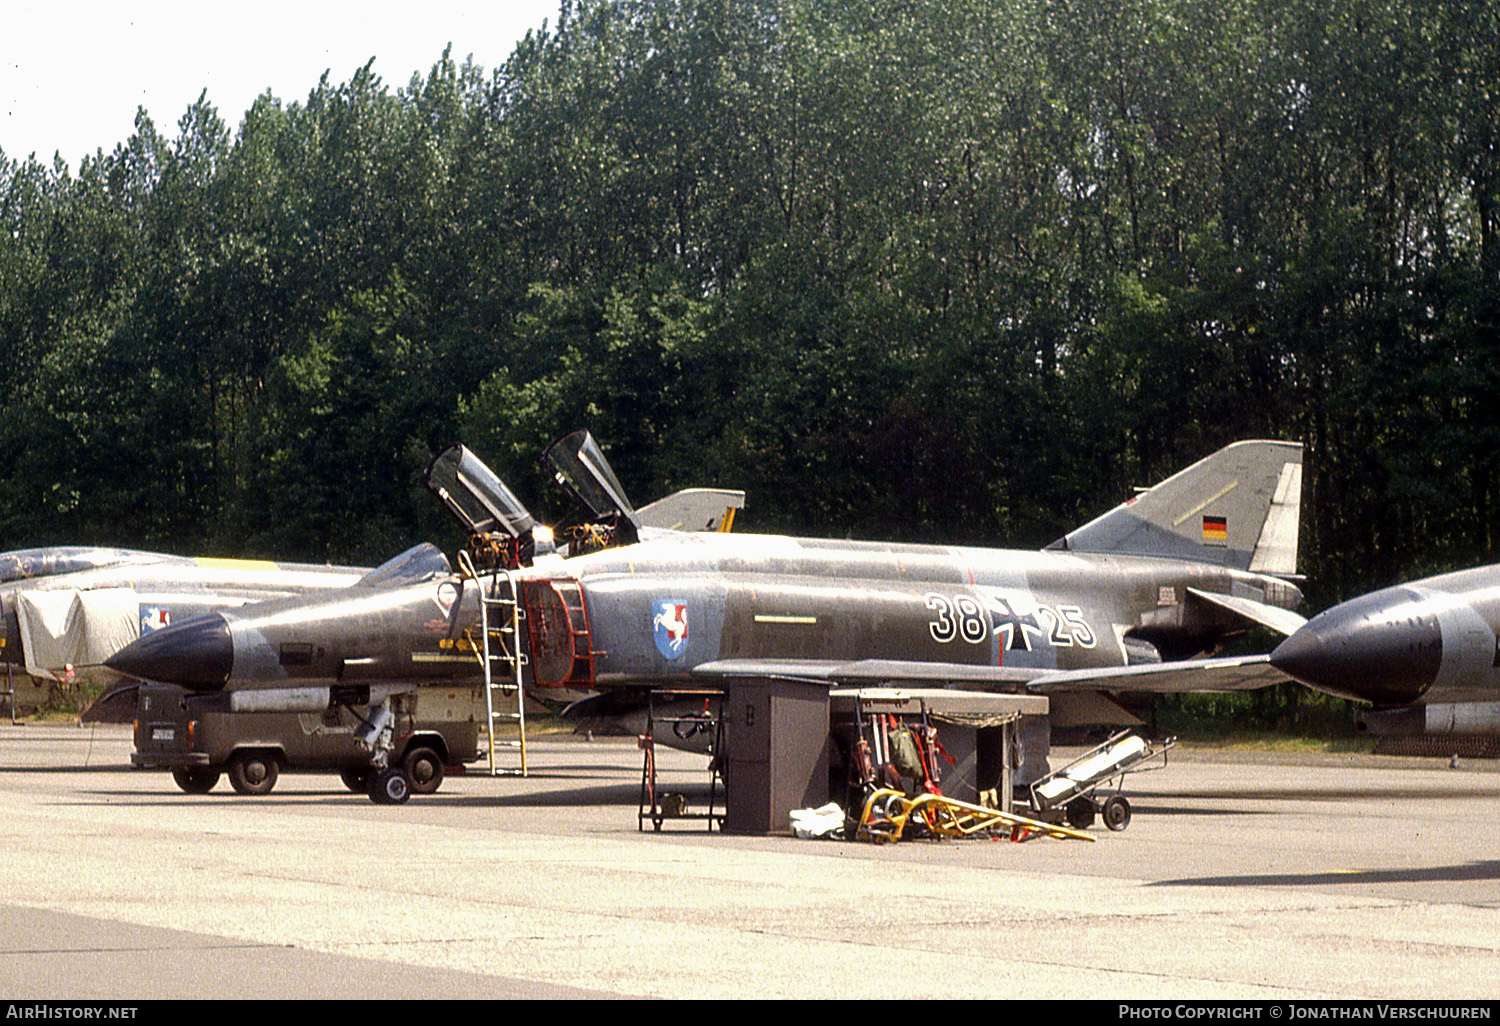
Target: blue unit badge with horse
{"points": [[669, 623], [155, 618]]}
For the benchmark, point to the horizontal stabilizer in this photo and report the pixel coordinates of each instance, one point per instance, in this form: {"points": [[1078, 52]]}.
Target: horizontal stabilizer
{"points": [[1282, 621], [1238, 673]]}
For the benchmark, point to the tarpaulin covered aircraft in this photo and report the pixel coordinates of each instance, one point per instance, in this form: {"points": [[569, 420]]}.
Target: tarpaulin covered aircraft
{"points": [[65, 609]]}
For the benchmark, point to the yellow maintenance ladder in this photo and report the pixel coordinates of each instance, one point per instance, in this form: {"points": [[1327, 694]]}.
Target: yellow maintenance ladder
{"points": [[887, 813]]}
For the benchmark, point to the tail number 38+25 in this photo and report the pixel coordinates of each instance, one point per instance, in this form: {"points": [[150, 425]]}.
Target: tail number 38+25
{"points": [[963, 617]]}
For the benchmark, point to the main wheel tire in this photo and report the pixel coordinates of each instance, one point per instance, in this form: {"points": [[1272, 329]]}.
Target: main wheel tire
{"points": [[357, 781], [1117, 813], [425, 769], [1081, 813], [390, 786], [194, 780], [253, 772]]}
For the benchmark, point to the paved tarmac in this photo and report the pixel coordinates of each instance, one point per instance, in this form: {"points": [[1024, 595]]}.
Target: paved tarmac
{"points": [[1240, 877]]}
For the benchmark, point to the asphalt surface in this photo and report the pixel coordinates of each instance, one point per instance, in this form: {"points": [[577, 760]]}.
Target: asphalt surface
{"points": [[1280, 878]]}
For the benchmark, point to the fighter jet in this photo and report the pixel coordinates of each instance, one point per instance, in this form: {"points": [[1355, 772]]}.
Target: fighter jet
{"points": [[65, 609], [1424, 654], [624, 606], [74, 606]]}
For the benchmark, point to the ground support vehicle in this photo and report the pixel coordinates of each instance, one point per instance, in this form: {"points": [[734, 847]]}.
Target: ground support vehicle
{"points": [[176, 732]]}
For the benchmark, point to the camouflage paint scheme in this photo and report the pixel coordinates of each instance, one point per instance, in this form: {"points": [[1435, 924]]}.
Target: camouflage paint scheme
{"points": [[675, 607]]}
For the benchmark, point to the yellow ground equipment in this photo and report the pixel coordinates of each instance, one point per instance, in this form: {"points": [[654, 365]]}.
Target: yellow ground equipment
{"points": [[888, 813]]}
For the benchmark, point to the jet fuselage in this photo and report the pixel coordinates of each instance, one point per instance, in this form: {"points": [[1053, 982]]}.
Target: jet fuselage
{"points": [[1431, 640]]}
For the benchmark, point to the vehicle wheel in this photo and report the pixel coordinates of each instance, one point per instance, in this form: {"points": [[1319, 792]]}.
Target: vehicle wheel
{"points": [[196, 781], [425, 768], [253, 772], [390, 786], [1117, 813], [357, 781], [1081, 813]]}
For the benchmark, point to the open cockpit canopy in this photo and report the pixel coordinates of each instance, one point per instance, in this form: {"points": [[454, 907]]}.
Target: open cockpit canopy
{"points": [[583, 472], [478, 499]]}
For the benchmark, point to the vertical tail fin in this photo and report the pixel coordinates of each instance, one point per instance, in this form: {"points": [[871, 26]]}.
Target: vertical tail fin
{"points": [[1238, 508]]}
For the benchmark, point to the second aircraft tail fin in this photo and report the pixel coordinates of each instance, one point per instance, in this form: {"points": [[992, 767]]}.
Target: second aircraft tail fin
{"points": [[1238, 507]]}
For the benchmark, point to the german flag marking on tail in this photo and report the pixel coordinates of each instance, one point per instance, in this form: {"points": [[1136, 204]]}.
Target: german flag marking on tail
{"points": [[1215, 529]]}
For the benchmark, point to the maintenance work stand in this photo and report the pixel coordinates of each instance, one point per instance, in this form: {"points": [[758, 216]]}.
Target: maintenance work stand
{"points": [[687, 714]]}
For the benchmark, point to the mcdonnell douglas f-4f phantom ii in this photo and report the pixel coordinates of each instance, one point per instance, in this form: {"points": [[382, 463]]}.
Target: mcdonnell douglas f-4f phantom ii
{"points": [[1108, 608], [1425, 654]]}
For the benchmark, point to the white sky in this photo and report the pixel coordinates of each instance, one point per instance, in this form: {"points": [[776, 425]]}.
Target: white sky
{"points": [[73, 72]]}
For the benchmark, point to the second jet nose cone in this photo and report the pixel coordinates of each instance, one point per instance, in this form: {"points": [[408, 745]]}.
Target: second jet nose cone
{"points": [[1384, 648], [196, 654], [1303, 657]]}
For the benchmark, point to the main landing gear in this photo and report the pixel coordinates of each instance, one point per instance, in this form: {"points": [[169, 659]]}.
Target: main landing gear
{"points": [[386, 784], [390, 786]]}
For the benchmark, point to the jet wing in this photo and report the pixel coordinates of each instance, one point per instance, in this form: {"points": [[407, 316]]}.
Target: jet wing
{"points": [[1235, 673], [1282, 621], [869, 671], [874, 671], [1238, 673]]}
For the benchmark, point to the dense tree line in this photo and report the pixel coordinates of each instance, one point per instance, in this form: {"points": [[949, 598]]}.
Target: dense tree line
{"points": [[962, 271]]}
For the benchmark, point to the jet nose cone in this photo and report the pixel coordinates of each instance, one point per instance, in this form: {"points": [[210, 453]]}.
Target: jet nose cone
{"points": [[1384, 648], [1302, 656], [196, 654]]}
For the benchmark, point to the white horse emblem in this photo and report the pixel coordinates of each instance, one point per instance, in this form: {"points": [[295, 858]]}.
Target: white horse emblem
{"points": [[669, 625]]}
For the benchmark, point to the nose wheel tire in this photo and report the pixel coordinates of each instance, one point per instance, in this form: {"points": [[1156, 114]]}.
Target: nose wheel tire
{"points": [[390, 786]]}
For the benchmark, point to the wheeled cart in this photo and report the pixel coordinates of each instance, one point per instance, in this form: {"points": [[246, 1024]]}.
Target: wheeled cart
{"points": [[1072, 793]]}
